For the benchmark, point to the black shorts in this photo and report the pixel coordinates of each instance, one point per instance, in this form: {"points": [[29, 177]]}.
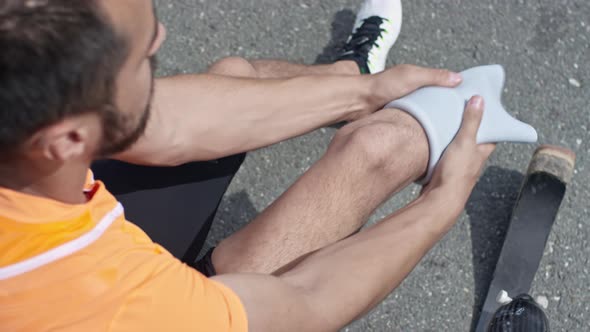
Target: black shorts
{"points": [[175, 206]]}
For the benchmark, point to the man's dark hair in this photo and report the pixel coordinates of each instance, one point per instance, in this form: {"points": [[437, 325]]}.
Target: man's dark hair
{"points": [[57, 58]]}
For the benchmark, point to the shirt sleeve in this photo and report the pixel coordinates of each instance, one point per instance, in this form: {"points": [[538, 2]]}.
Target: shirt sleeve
{"points": [[179, 298]]}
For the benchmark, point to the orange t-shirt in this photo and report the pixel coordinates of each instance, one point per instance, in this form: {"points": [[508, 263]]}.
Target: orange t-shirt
{"points": [[85, 268]]}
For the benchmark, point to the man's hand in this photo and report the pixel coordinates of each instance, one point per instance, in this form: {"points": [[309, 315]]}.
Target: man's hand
{"points": [[462, 162], [402, 80]]}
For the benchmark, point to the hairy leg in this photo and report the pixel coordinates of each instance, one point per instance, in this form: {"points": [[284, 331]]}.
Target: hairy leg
{"points": [[240, 67], [367, 161], [278, 69]]}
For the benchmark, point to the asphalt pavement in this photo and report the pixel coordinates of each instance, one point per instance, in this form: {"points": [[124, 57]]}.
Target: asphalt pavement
{"points": [[544, 46]]}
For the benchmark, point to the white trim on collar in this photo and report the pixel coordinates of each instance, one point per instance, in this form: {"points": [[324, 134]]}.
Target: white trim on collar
{"points": [[63, 250]]}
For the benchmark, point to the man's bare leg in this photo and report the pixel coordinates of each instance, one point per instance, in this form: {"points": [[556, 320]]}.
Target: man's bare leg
{"points": [[282, 69], [236, 66], [335, 197], [368, 46]]}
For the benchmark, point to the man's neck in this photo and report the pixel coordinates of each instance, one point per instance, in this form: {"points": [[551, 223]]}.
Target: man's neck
{"points": [[64, 183]]}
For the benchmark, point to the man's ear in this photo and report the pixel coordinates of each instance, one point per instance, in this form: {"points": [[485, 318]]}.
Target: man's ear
{"points": [[68, 139]]}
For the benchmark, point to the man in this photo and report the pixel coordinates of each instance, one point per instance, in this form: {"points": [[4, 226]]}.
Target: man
{"points": [[76, 84]]}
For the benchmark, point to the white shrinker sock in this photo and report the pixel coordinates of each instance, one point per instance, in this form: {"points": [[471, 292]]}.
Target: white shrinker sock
{"points": [[440, 112]]}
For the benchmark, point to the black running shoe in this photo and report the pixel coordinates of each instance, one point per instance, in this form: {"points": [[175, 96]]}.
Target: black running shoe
{"points": [[377, 27]]}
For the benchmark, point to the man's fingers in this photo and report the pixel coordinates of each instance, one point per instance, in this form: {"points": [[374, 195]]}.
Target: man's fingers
{"points": [[471, 119], [414, 77]]}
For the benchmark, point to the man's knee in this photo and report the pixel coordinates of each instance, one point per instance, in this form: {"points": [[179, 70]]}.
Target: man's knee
{"points": [[373, 143], [233, 66], [381, 144]]}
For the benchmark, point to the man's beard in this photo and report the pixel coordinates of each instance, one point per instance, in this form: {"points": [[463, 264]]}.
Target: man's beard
{"points": [[117, 136]]}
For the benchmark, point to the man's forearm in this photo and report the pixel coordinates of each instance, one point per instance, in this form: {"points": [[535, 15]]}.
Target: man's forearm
{"points": [[202, 117], [339, 283], [372, 263]]}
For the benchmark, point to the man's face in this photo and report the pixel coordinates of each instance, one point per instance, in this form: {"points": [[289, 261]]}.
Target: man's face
{"points": [[125, 119]]}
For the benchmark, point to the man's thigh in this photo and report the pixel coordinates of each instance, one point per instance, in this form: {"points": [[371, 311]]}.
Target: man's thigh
{"points": [[175, 206]]}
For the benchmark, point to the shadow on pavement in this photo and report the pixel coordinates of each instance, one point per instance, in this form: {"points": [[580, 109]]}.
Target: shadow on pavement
{"points": [[489, 209], [235, 212], [341, 29]]}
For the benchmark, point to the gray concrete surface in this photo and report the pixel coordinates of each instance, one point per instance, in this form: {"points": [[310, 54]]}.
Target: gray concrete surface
{"points": [[543, 44]]}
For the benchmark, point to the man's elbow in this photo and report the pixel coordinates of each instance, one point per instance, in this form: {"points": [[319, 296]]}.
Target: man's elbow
{"points": [[150, 155], [178, 152], [178, 156]]}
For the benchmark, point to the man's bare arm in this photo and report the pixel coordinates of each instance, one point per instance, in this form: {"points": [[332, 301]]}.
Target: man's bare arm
{"points": [[337, 284], [203, 117]]}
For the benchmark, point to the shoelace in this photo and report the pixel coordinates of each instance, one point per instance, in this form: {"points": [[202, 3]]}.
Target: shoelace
{"points": [[363, 39]]}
